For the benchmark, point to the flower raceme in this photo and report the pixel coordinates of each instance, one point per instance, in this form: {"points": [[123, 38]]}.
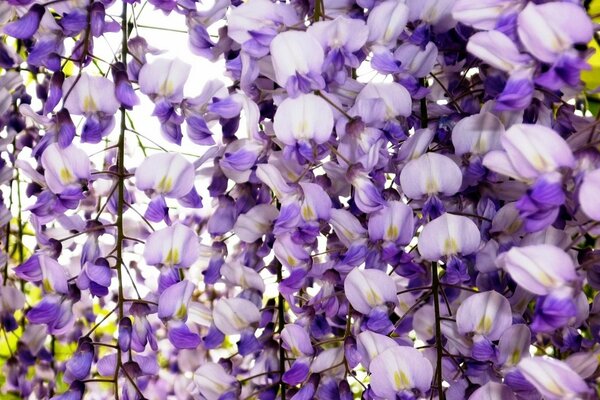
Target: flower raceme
{"points": [[373, 199]]}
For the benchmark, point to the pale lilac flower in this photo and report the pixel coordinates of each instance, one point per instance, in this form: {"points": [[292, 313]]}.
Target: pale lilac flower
{"points": [[90, 94], [584, 363], [304, 119], [416, 61], [167, 174], [369, 288], [174, 301], [164, 78], [297, 61], [11, 300], [493, 391], [553, 379], [327, 359], [247, 278], [378, 102], [430, 175], [43, 269], [387, 21], [477, 134], [93, 97], [487, 314], [367, 196], [290, 253], [448, 235], [347, 227], [549, 30], [529, 151], [65, 169], [416, 144], [173, 307], [174, 246], [514, 345], [436, 13], [370, 345], [340, 39], [393, 223], [212, 381], [398, 369], [254, 224], [499, 51], [254, 25], [589, 193], [296, 339], [232, 316], [540, 269], [484, 14], [239, 157]]}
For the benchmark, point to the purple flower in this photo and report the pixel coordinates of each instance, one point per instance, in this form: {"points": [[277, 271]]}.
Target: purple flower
{"points": [[297, 340], [368, 289], [26, 26], [380, 102], [255, 25], [95, 276], [484, 14], [45, 270], [173, 309], [11, 300]]}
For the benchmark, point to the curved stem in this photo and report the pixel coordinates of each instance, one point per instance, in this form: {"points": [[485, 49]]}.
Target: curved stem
{"points": [[435, 287], [281, 326], [121, 197]]}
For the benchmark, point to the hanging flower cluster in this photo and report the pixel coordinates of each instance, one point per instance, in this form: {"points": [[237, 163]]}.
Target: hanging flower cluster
{"points": [[389, 199]]}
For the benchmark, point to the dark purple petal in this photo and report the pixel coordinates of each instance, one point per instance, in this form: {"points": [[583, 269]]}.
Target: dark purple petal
{"points": [[248, 344], [80, 364], [157, 209], [26, 26], [66, 130], [198, 131], [124, 338], [46, 311], [297, 373], [181, 337]]}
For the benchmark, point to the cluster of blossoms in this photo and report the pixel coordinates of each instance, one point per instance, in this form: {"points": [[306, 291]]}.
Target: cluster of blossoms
{"points": [[389, 199]]}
